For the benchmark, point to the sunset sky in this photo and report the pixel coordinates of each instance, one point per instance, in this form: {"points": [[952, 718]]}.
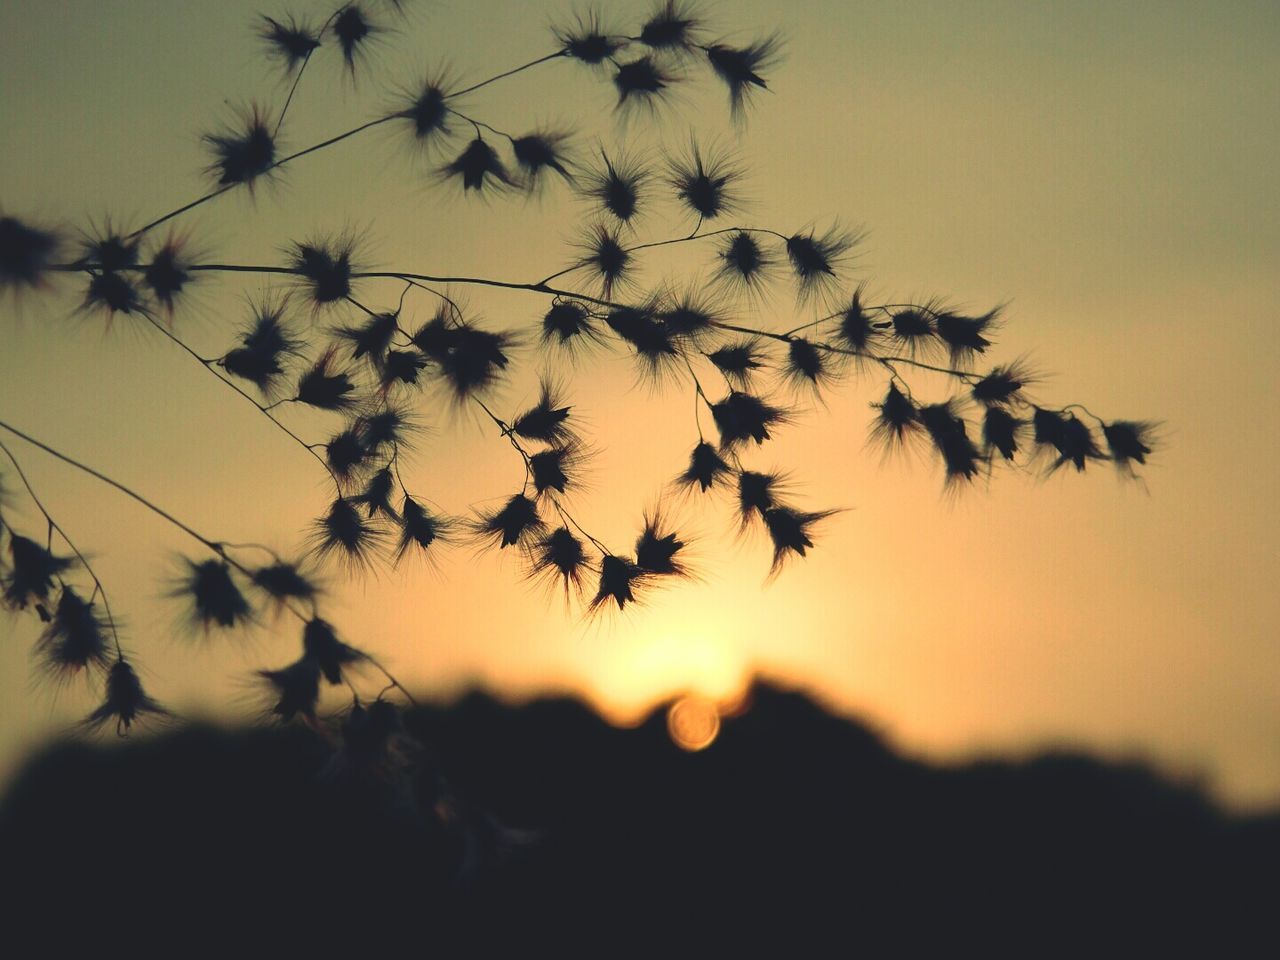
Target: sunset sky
{"points": [[1105, 169]]}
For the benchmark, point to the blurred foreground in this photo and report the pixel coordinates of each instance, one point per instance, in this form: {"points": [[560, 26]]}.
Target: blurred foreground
{"points": [[490, 829]]}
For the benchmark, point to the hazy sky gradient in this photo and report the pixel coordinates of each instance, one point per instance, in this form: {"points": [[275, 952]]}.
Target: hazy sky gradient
{"points": [[1107, 169]]}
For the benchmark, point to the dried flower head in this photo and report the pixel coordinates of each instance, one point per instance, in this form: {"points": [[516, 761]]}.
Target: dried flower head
{"points": [[706, 185], [284, 581], [540, 151], [427, 111], [809, 365], [617, 185], [587, 40], [654, 344], [515, 524], [816, 260], [673, 27], [951, 440], [618, 579], [353, 29], [479, 167], [740, 68], [706, 468], [1130, 441], [897, 419], [913, 331], [604, 255], [325, 388], [547, 420], [475, 359], [320, 645], [169, 273], [125, 701], [1004, 384], [26, 253], [557, 467], [738, 361], [568, 325], [295, 689], [559, 560], [743, 262], [642, 82], [288, 41], [1000, 432], [372, 338], [658, 548], [343, 533], [266, 344], [32, 573], [244, 150], [965, 336], [323, 267], [75, 638], [420, 529], [758, 493], [855, 329], [791, 532], [742, 416], [213, 597]]}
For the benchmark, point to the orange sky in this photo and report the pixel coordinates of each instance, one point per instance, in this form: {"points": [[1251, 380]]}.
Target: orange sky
{"points": [[1107, 170]]}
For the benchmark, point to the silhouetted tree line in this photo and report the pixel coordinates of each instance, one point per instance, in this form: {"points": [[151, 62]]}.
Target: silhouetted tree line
{"points": [[543, 831]]}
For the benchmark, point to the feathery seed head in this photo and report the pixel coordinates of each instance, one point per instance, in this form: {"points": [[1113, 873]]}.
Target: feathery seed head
{"points": [[605, 256], [295, 689], [540, 151], [168, 273], [125, 701], [744, 262], [323, 267], [642, 82], [32, 572], [1000, 431], [284, 581], [738, 361], [546, 420], [214, 597], [323, 387], [618, 577], [657, 548], [26, 253], [673, 26], [965, 336], [816, 260], [479, 167], [742, 416], [707, 186], [587, 40], [558, 559], [706, 468], [740, 68], [420, 528], [515, 524], [344, 534], [1129, 441], [288, 41], [897, 419], [617, 185], [75, 638], [320, 645], [567, 324], [244, 150]]}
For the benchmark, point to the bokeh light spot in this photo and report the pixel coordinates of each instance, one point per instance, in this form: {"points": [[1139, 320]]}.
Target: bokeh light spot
{"points": [[693, 723]]}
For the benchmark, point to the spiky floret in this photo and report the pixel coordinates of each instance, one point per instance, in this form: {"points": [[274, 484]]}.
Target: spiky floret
{"points": [[618, 579], [26, 253], [401, 367], [353, 29], [75, 638], [740, 68], [1003, 384], [344, 534], [243, 151], [706, 468], [743, 261], [376, 495], [707, 185], [214, 598], [372, 338], [479, 167], [265, 344], [604, 255], [1077, 445], [558, 559], [738, 361], [284, 581], [653, 343], [568, 324], [855, 330], [673, 26], [658, 548], [617, 184], [816, 260], [114, 293], [642, 82], [320, 645], [323, 267], [965, 336], [951, 441], [791, 532], [295, 689], [1130, 441], [913, 330], [426, 110], [556, 468], [125, 702], [168, 274], [1000, 432], [587, 40], [758, 493], [32, 573], [897, 419], [808, 365], [388, 426], [547, 420], [475, 358], [542, 150], [692, 314], [742, 416], [421, 529], [325, 388], [289, 41], [516, 523]]}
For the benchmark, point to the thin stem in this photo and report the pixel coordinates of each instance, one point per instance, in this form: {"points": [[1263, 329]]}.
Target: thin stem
{"points": [[164, 514], [568, 518], [53, 525], [264, 409], [508, 73]]}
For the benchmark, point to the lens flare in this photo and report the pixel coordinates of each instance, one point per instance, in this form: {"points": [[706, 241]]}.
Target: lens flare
{"points": [[693, 723]]}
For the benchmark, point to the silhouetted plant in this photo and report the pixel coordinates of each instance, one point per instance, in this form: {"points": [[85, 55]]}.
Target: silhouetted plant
{"points": [[354, 356]]}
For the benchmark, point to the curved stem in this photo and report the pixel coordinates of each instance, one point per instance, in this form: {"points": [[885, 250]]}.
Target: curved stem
{"points": [[97, 583], [502, 76]]}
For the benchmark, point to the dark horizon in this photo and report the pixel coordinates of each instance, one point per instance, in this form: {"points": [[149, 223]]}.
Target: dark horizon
{"points": [[493, 827]]}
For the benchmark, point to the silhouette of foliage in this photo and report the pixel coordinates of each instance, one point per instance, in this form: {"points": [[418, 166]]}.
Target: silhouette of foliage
{"points": [[329, 331]]}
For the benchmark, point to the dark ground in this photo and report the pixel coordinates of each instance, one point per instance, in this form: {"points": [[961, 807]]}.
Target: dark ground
{"points": [[794, 834]]}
